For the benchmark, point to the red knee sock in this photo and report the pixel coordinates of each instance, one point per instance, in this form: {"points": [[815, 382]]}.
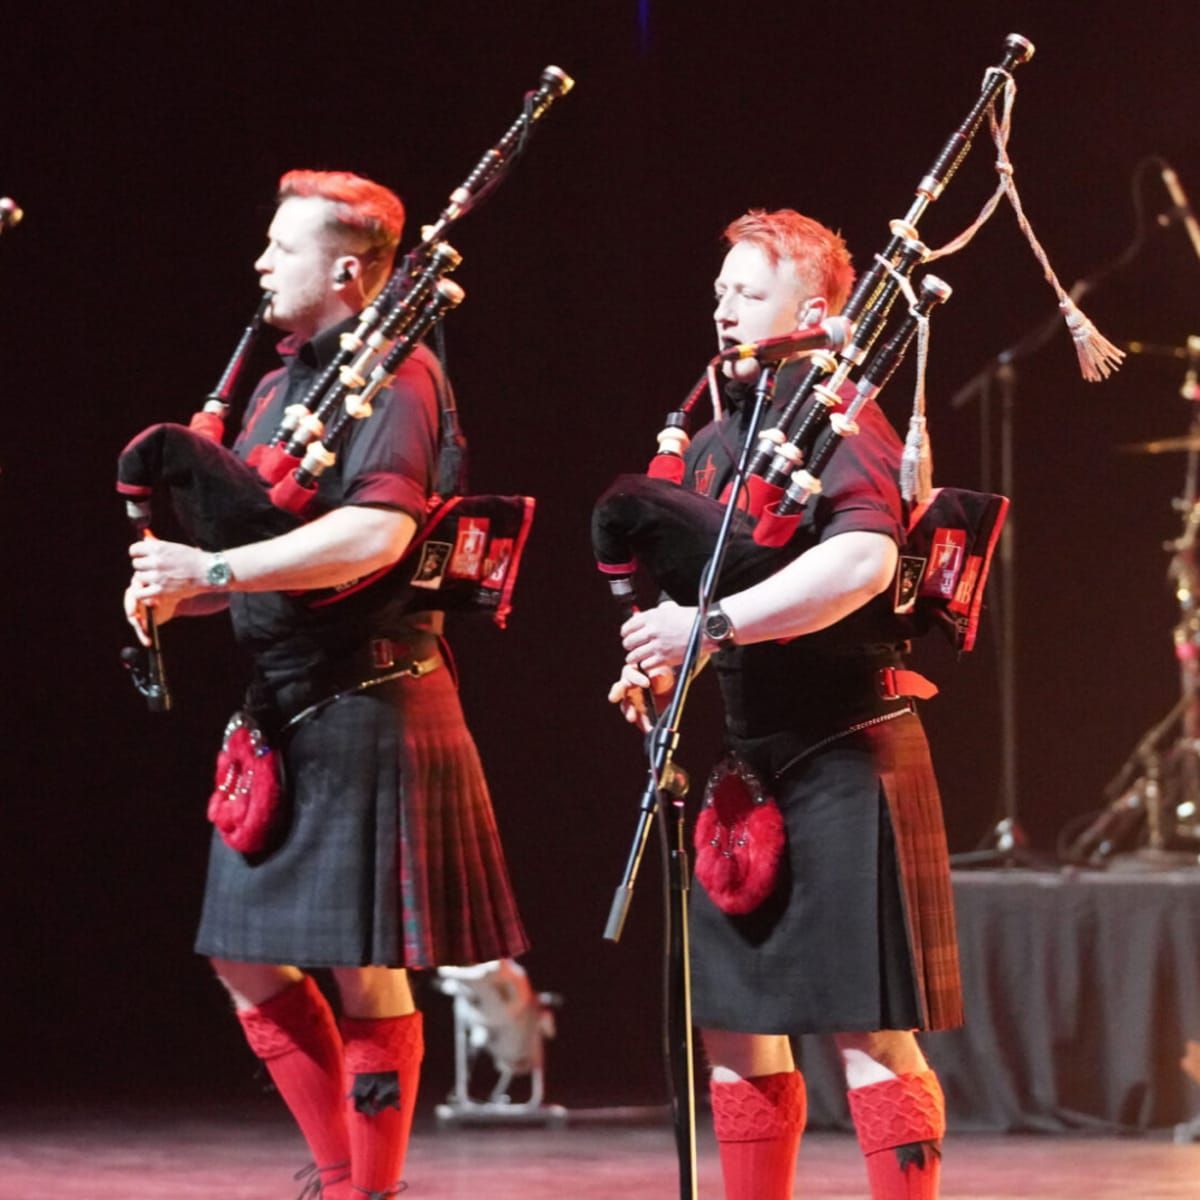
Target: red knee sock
{"points": [[383, 1064], [295, 1035], [901, 1123], [758, 1123]]}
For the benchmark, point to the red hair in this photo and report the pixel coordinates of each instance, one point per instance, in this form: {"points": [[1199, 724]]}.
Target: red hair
{"points": [[357, 206], [819, 256]]}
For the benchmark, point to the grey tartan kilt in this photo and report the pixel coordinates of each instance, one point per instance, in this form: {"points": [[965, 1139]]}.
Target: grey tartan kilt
{"points": [[859, 932], [389, 854]]}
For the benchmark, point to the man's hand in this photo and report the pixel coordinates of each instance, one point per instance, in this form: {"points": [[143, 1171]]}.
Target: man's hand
{"points": [[630, 693], [135, 613], [657, 637], [165, 575], [166, 572]]}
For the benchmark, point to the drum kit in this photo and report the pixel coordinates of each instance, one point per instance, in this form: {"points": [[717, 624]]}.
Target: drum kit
{"points": [[1153, 816]]}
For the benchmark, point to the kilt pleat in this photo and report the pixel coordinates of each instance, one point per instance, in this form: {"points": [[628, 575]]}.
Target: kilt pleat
{"points": [[455, 894], [915, 811]]}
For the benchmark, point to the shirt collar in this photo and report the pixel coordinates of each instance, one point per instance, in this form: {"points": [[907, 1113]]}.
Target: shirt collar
{"points": [[739, 396], [318, 352]]}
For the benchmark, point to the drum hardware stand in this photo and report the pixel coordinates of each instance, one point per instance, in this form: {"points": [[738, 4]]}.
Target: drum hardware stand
{"points": [[1158, 777], [1005, 844], [665, 789]]}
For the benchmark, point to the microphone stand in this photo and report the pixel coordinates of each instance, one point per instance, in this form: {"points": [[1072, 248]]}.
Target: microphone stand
{"points": [[666, 786], [1006, 843]]}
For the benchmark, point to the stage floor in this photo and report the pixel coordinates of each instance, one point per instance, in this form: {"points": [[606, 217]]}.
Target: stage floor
{"points": [[140, 1154]]}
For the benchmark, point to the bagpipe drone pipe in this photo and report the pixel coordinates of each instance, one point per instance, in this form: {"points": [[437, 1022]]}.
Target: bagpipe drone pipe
{"points": [[668, 531], [467, 552]]}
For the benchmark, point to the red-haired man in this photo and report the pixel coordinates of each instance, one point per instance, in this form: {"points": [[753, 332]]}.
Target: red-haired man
{"points": [[389, 858], [856, 936]]}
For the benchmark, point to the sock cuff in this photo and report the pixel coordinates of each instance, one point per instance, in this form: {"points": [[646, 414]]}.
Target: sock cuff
{"points": [[379, 1044], [298, 1018], [759, 1108], [898, 1112]]}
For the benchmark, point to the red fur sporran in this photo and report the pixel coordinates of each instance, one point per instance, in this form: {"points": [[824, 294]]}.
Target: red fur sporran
{"points": [[247, 795], [739, 838]]}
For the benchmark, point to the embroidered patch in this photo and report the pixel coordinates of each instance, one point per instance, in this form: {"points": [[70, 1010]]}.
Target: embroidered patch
{"points": [[945, 562], [908, 582], [497, 562], [432, 566], [967, 584], [467, 560]]}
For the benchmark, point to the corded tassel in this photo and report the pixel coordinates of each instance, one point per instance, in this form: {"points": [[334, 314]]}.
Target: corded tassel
{"points": [[916, 463], [1098, 357]]}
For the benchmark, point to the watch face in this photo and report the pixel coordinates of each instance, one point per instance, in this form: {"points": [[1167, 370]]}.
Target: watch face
{"points": [[717, 626], [218, 574]]}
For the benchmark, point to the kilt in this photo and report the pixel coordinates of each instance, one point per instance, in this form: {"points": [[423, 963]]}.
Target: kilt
{"points": [[858, 934], [390, 856]]}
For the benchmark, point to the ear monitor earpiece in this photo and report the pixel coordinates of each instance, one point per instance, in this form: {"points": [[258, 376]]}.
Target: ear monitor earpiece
{"points": [[342, 275]]}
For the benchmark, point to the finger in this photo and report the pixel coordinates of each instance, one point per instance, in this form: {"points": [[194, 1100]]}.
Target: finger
{"points": [[633, 623], [635, 652], [632, 676], [137, 620], [646, 659], [637, 637], [638, 715]]}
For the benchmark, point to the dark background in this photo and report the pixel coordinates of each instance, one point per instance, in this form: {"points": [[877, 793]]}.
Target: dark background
{"points": [[144, 144]]}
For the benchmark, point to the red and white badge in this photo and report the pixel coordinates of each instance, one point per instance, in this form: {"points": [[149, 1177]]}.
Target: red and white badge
{"points": [[946, 556], [497, 562], [467, 560]]}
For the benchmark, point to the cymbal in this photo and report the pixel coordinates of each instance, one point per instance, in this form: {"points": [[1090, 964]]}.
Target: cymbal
{"points": [[1189, 441]]}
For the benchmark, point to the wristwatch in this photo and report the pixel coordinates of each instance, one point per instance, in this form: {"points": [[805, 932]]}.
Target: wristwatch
{"points": [[718, 628], [219, 575]]}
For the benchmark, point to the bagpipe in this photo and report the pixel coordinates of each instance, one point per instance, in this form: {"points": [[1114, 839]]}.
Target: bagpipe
{"points": [[652, 522], [467, 552]]}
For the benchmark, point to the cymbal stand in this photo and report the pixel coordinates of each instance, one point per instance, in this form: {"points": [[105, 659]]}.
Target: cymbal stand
{"points": [[1161, 776], [1005, 844]]}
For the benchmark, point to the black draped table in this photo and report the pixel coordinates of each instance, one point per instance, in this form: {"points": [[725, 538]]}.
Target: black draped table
{"points": [[1081, 990]]}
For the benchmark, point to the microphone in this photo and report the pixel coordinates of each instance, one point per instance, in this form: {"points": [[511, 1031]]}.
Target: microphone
{"points": [[10, 213], [1183, 210], [830, 334]]}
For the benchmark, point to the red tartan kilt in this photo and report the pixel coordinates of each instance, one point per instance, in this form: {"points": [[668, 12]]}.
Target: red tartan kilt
{"points": [[915, 811]]}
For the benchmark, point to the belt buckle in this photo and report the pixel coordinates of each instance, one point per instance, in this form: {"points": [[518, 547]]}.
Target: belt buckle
{"points": [[383, 653], [885, 683]]}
